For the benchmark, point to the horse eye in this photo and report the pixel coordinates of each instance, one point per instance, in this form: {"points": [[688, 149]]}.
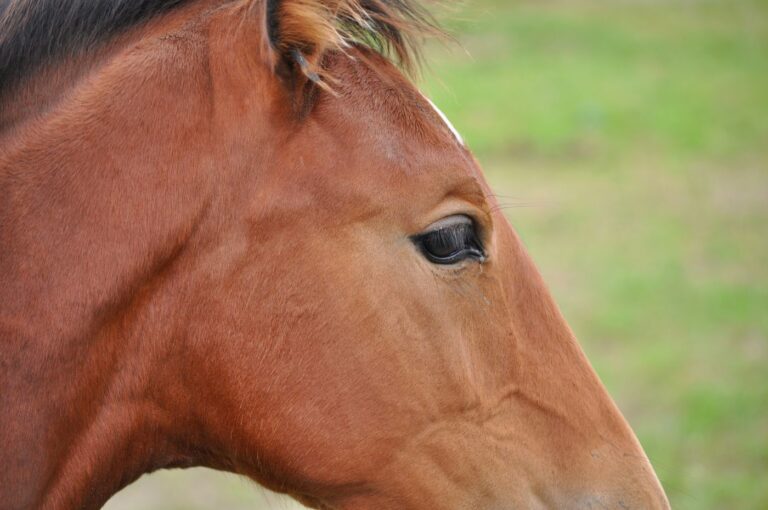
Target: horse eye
{"points": [[450, 241]]}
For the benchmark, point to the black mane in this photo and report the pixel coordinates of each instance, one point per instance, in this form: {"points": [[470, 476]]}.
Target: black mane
{"points": [[35, 32]]}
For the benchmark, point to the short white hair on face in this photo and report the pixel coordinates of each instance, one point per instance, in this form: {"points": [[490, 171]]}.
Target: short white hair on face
{"points": [[446, 121]]}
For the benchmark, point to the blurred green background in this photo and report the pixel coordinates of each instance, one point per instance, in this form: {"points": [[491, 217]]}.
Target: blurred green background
{"points": [[628, 140]]}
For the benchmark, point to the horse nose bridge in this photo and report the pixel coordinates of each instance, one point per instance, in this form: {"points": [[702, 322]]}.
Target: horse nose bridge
{"points": [[579, 439], [519, 457], [617, 481], [616, 474], [633, 498], [639, 492], [630, 483]]}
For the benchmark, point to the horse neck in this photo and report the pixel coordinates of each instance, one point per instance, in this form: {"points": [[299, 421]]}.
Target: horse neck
{"points": [[81, 410], [93, 237]]}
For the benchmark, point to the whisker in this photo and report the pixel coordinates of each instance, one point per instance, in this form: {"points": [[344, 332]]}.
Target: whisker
{"points": [[521, 205]]}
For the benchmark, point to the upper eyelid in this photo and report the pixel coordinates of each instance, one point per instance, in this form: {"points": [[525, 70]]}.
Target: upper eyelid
{"points": [[444, 223], [434, 230]]}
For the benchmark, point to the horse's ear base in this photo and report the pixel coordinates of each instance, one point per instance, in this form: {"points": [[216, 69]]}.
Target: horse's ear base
{"points": [[298, 33], [302, 81]]}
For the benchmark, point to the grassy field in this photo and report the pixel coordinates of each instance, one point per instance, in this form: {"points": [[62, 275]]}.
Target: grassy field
{"points": [[630, 142]]}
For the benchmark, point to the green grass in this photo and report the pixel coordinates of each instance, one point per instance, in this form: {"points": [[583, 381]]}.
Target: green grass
{"points": [[669, 296], [630, 142], [617, 77]]}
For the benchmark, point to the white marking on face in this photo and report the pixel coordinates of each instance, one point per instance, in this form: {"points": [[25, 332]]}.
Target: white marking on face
{"points": [[446, 121]]}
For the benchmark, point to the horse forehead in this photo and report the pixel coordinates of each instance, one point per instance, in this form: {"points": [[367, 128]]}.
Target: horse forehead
{"points": [[390, 137], [377, 91]]}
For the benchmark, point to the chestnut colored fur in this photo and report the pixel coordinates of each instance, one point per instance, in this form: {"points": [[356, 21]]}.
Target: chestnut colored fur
{"points": [[191, 274]]}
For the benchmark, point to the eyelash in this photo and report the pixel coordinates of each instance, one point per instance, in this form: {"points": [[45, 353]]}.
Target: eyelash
{"points": [[451, 244]]}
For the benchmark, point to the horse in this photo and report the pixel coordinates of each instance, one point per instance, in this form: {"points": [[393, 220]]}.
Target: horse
{"points": [[234, 234]]}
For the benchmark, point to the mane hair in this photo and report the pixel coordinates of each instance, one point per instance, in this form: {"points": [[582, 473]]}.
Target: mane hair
{"points": [[34, 33]]}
